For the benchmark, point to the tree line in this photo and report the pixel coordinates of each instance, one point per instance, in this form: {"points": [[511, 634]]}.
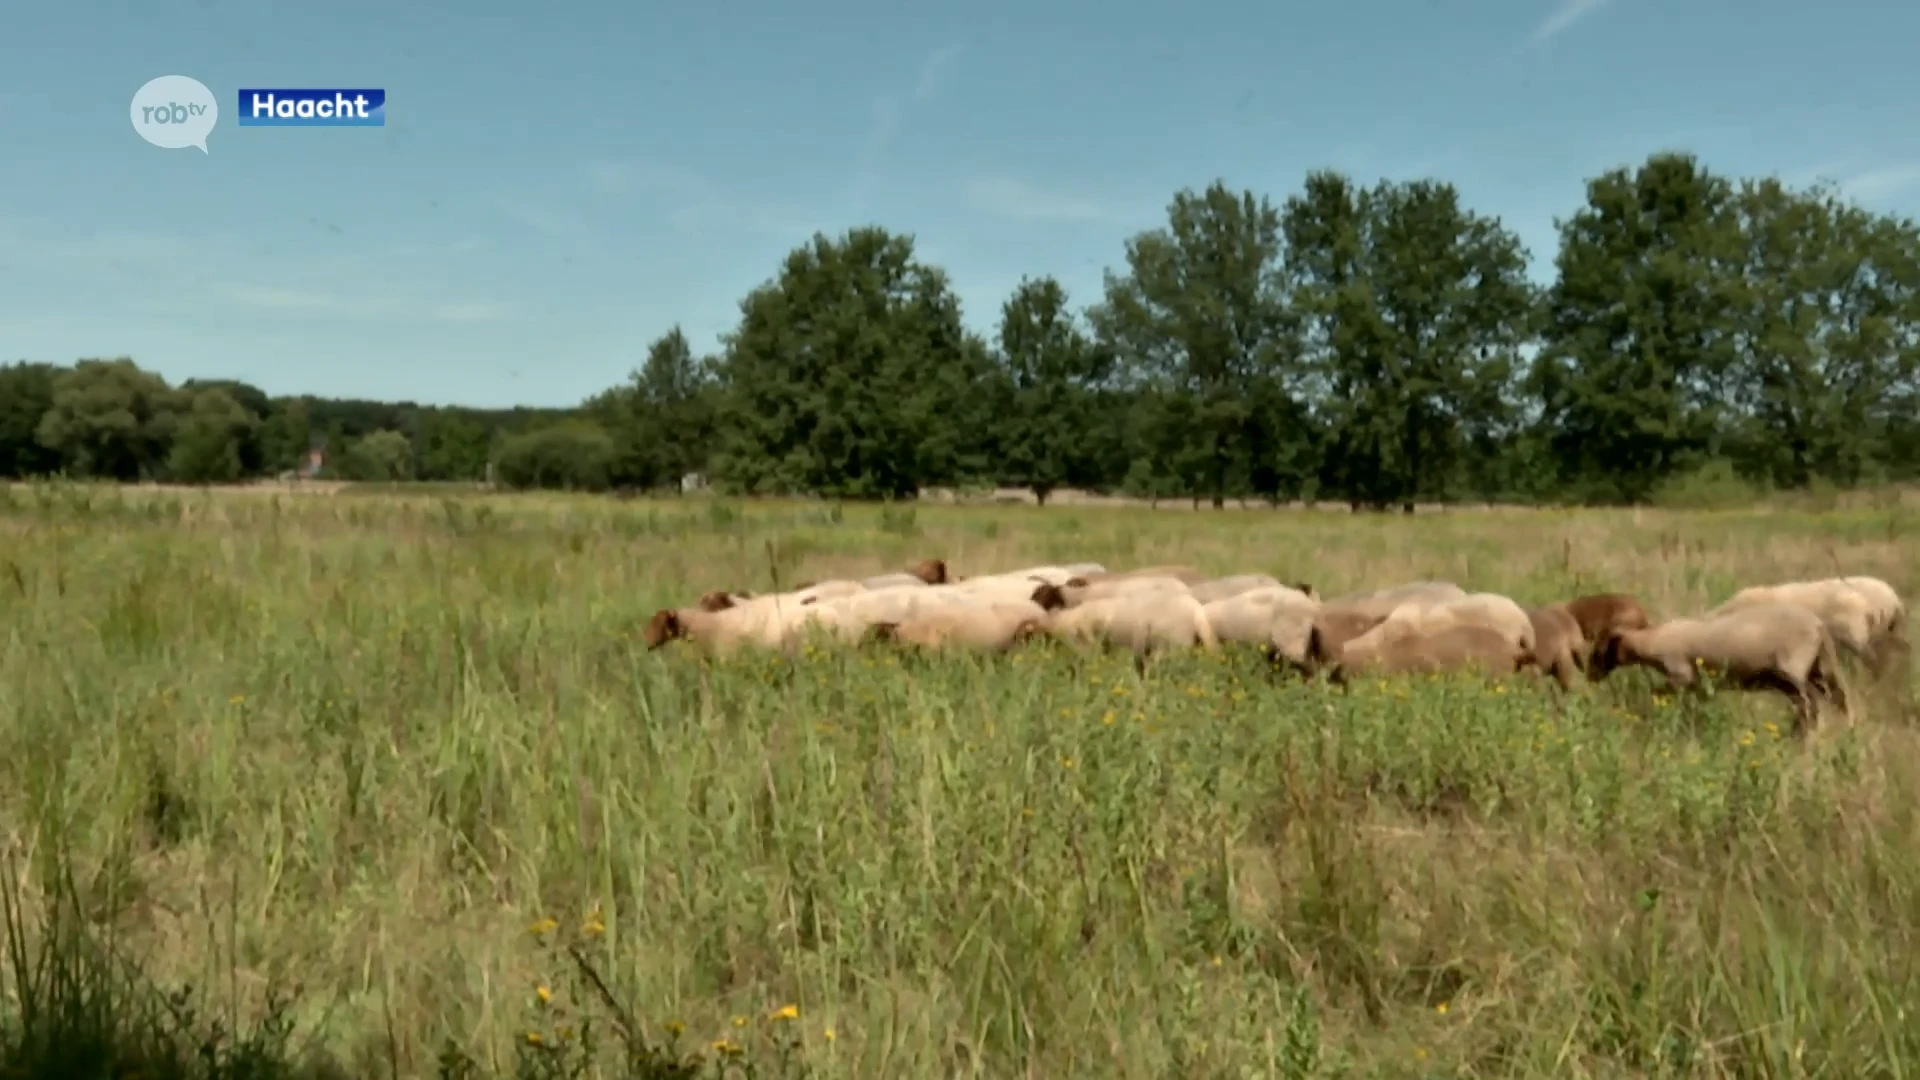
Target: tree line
{"points": [[1378, 345]]}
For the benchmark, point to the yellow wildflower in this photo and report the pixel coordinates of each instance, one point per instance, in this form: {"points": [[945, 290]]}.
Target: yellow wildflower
{"points": [[534, 1039], [544, 993], [739, 1021], [675, 1028], [542, 926], [727, 1047], [1441, 1008], [592, 926], [786, 1012], [827, 1034]]}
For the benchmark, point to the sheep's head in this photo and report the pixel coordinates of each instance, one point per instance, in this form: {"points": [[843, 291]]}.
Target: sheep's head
{"points": [[717, 600], [931, 571], [1049, 597], [662, 628], [1610, 653]]}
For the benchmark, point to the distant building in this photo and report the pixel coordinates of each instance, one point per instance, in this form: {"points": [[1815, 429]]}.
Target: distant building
{"points": [[693, 481]]}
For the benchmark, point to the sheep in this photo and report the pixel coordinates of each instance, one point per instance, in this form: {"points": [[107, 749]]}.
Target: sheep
{"points": [[999, 588], [1082, 569], [1332, 628], [1600, 614], [1187, 574], [931, 571], [1558, 646], [895, 581], [761, 625], [1857, 615], [1145, 623], [1220, 588], [865, 609], [1845, 610], [991, 627], [1076, 591], [1491, 610], [1276, 618], [1383, 602], [1764, 645], [1454, 647]]}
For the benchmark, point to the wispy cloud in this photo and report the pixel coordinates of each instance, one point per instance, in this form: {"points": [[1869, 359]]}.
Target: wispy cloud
{"points": [[695, 202], [547, 220], [1010, 197], [336, 306], [1878, 183], [889, 111], [1564, 16]]}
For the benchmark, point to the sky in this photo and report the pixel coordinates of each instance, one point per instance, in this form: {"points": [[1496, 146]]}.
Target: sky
{"points": [[558, 185]]}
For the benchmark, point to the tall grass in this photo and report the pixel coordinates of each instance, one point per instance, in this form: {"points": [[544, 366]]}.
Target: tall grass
{"points": [[394, 774]]}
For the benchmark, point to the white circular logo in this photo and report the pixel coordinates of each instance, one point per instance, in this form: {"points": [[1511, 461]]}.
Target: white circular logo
{"points": [[174, 112]]}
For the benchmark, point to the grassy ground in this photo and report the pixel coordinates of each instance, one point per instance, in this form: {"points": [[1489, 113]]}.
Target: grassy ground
{"points": [[405, 760]]}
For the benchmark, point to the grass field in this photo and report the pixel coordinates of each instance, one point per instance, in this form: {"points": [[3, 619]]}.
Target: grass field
{"points": [[404, 759]]}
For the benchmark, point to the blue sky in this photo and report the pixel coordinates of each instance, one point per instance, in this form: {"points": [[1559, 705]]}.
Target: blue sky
{"points": [[554, 190]]}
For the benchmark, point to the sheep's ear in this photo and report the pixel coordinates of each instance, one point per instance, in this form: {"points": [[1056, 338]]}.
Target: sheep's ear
{"points": [[1049, 597], [1076, 583], [717, 600], [805, 585], [1307, 588]]}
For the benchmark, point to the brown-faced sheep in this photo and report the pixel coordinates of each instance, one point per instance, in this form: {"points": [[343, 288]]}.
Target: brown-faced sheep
{"points": [[1761, 646], [1558, 646], [1491, 610], [1599, 615]]}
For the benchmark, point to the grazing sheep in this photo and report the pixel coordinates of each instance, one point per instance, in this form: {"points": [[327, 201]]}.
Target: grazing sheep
{"points": [[1383, 602], [1144, 623], [1455, 647], [754, 624], [1076, 591], [1187, 574], [1222, 587], [991, 627], [895, 581], [1558, 646], [1276, 618], [1599, 615], [931, 571], [1491, 610], [1758, 646], [1332, 629], [1857, 615]]}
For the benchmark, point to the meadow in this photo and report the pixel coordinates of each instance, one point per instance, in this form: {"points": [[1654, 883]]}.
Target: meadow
{"points": [[398, 767]]}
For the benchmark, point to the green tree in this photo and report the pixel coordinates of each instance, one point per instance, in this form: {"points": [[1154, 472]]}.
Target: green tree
{"points": [[1052, 373], [453, 446], [254, 402], [1640, 329], [1201, 317], [570, 456], [1825, 355], [851, 375], [110, 419], [1417, 309], [211, 441], [26, 395], [662, 420], [378, 457]]}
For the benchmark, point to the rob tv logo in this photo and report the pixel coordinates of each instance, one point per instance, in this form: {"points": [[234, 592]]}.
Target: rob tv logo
{"points": [[313, 108]]}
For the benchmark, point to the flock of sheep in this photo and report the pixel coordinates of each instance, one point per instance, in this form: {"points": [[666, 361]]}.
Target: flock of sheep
{"points": [[1785, 637]]}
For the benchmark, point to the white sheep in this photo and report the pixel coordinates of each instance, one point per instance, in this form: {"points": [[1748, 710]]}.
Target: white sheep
{"points": [[1490, 610], [990, 626], [1277, 618], [1222, 587], [1145, 623], [1864, 615]]}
